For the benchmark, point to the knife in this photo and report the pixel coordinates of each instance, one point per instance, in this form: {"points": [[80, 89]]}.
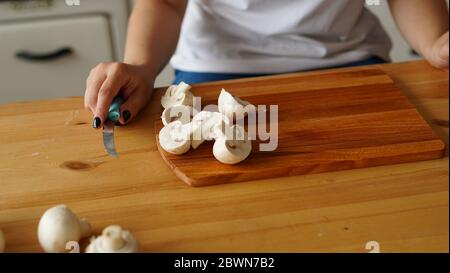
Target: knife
{"points": [[108, 127]]}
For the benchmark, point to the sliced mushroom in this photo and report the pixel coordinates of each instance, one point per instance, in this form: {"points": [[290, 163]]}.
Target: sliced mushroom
{"points": [[2, 242], [182, 113], [203, 126], [113, 240], [174, 138], [59, 226], [177, 95], [232, 146], [232, 107]]}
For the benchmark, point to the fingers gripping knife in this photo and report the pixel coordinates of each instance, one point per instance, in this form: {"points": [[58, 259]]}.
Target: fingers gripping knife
{"points": [[108, 127]]}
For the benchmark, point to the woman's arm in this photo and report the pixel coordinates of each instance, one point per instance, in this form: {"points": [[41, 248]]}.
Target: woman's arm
{"points": [[424, 23], [153, 32]]}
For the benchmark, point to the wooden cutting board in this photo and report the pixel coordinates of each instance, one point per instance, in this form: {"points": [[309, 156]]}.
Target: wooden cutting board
{"points": [[327, 122]]}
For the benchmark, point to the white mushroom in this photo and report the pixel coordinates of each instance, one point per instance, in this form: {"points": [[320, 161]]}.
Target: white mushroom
{"points": [[174, 138], [232, 146], [182, 113], [58, 226], [2, 242], [177, 95], [231, 106], [203, 126], [113, 240]]}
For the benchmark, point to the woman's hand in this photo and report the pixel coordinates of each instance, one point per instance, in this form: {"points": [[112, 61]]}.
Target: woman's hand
{"points": [[152, 38], [108, 80], [437, 55]]}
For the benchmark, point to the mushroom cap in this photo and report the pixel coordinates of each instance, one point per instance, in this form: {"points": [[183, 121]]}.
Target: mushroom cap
{"points": [[182, 113], [174, 138], [177, 95], [232, 148], [232, 107], [58, 226], [203, 126], [2, 242], [113, 240]]}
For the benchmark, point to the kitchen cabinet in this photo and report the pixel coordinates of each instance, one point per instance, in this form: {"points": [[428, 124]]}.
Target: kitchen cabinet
{"points": [[48, 47], [51, 58]]}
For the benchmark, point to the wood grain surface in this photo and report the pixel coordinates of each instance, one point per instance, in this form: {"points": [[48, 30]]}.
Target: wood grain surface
{"points": [[326, 122], [49, 155]]}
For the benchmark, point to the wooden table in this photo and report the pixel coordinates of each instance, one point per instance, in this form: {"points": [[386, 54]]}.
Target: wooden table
{"points": [[50, 155]]}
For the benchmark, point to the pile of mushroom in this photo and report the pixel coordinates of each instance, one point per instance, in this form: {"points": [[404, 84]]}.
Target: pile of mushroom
{"points": [[59, 226], [2, 242], [185, 128], [113, 240]]}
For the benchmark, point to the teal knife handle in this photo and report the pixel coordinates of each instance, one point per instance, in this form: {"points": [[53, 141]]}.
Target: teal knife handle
{"points": [[114, 109]]}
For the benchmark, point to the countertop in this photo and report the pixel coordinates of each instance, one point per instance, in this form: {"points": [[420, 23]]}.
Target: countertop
{"points": [[49, 155]]}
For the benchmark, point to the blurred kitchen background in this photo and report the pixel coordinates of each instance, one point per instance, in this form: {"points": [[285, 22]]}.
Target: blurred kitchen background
{"points": [[47, 47]]}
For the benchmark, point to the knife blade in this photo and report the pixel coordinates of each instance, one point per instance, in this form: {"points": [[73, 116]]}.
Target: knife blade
{"points": [[108, 138], [108, 127]]}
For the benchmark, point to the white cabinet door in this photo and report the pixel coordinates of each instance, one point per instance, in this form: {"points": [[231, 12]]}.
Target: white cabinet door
{"points": [[51, 58]]}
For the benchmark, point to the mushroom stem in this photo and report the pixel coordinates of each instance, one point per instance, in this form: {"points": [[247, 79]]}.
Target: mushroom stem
{"points": [[85, 228], [112, 238]]}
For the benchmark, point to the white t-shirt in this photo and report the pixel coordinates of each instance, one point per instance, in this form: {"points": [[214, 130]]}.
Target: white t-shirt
{"points": [[275, 36]]}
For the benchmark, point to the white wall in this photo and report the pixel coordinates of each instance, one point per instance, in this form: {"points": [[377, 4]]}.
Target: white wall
{"points": [[166, 77]]}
